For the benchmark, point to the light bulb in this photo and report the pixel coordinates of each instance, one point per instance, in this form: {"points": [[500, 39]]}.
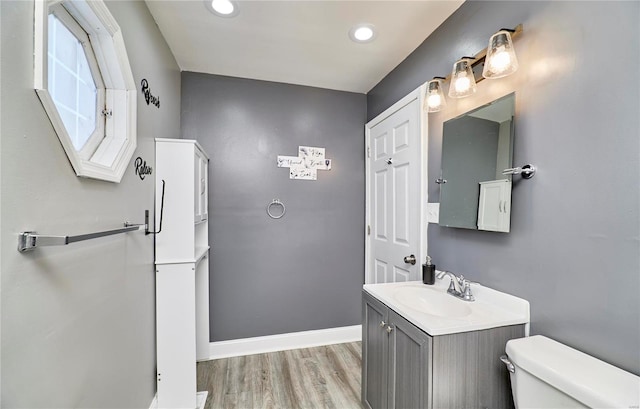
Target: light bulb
{"points": [[462, 84], [434, 101], [222, 6], [500, 61], [363, 33]]}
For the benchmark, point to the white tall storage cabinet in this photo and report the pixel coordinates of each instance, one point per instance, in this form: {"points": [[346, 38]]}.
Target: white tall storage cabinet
{"points": [[494, 207], [182, 269]]}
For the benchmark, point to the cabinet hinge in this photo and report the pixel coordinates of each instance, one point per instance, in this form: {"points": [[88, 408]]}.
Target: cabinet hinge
{"points": [[369, 230], [107, 113], [368, 152]]}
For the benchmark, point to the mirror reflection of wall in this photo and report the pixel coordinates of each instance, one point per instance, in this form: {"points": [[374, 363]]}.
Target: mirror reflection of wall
{"points": [[476, 147]]}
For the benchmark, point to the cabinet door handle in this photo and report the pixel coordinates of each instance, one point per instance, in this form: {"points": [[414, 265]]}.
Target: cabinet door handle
{"points": [[382, 324], [389, 329]]}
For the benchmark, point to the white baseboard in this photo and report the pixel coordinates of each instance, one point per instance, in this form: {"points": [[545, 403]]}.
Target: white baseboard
{"points": [[283, 342], [201, 399]]}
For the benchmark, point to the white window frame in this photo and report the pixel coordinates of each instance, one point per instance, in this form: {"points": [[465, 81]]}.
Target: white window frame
{"points": [[109, 160]]}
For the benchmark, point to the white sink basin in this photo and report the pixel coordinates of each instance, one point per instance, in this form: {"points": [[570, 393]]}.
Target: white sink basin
{"points": [[426, 299], [431, 309]]}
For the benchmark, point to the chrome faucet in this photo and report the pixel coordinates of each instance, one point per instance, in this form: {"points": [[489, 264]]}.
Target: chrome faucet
{"points": [[459, 286]]}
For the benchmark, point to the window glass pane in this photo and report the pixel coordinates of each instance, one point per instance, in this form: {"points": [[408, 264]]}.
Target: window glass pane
{"points": [[71, 84], [65, 86]]}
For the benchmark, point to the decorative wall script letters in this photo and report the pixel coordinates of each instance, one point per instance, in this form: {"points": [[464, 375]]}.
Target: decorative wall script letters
{"points": [[146, 91], [141, 168], [305, 166]]}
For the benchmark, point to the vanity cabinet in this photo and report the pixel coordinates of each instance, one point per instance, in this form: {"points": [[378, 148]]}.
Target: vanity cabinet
{"points": [[404, 367], [391, 349], [182, 269], [494, 209]]}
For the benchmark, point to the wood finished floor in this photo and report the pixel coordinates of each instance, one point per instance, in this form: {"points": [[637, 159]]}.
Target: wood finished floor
{"points": [[309, 378]]}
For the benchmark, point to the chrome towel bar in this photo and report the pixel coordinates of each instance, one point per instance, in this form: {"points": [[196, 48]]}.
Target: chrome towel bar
{"points": [[29, 240], [526, 171]]}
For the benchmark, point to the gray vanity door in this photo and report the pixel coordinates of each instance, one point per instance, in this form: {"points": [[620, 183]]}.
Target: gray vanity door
{"points": [[409, 363], [375, 353]]}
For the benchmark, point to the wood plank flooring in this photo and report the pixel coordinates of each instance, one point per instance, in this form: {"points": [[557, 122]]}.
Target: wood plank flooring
{"points": [[322, 377]]}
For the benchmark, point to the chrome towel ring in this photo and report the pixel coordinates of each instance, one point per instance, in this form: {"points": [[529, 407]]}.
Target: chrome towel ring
{"points": [[276, 202]]}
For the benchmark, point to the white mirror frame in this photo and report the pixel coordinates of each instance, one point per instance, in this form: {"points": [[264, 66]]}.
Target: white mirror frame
{"points": [[114, 152]]}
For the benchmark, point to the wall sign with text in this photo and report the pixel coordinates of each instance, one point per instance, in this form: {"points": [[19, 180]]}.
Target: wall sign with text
{"points": [[146, 91], [141, 169], [306, 165]]}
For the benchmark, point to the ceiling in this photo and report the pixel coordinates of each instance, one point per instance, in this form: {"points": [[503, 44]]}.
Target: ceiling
{"points": [[298, 42]]}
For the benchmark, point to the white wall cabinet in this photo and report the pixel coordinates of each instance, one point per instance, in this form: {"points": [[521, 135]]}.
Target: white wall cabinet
{"points": [[494, 207], [182, 269]]}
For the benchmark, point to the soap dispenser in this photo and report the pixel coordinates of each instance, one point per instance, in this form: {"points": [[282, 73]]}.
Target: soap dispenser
{"points": [[428, 272]]}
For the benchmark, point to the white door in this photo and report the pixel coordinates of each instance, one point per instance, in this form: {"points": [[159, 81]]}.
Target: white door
{"points": [[394, 196]]}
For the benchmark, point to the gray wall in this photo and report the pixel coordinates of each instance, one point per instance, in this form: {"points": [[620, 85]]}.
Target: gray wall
{"points": [[78, 322], [301, 272], [574, 249]]}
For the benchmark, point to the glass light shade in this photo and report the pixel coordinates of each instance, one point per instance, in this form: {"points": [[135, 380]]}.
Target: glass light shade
{"points": [[463, 82], [435, 100], [501, 57]]}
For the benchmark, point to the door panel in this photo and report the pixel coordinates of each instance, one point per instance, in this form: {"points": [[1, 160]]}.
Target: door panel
{"points": [[401, 137], [394, 196], [401, 275], [381, 271], [380, 205], [401, 205]]}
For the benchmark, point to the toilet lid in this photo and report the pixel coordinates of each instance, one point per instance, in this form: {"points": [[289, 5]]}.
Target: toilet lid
{"points": [[591, 381]]}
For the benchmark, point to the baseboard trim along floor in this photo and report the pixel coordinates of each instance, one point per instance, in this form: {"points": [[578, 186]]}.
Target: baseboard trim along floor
{"points": [[283, 342], [201, 399]]}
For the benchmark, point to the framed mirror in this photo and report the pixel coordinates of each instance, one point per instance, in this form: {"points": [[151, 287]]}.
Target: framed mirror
{"points": [[476, 147]]}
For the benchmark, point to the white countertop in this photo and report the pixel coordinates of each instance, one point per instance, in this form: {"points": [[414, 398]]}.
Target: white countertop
{"points": [[491, 308]]}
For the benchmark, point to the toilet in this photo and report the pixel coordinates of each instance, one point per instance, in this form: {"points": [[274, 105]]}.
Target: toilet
{"points": [[547, 374]]}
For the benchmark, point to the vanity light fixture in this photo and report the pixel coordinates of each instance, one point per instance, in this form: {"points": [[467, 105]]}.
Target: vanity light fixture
{"points": [[435, 100], [463, 82], [499, 61], [362, 33], [501, 57]]}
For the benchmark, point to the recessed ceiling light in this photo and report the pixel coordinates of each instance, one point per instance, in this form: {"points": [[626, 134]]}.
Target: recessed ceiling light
{"points": [[223, 8], [362, 33]]}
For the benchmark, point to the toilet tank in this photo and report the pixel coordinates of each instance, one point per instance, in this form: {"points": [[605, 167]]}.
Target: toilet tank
{"points": [[549, 374]]}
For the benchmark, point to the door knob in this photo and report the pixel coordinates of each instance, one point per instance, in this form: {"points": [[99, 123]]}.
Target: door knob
{"points": [[389, 161], [410, 259], [389, 329]]}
